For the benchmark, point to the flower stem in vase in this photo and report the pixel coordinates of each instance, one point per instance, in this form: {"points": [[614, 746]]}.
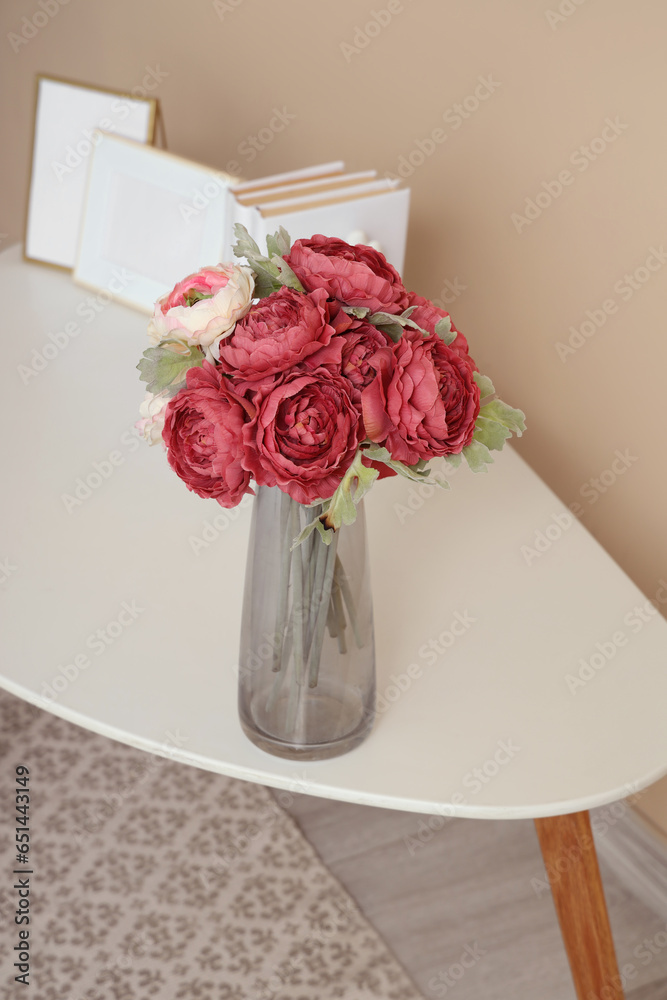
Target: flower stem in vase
{"points": [[283, 588], [332, 615], [337, 613], [325, 574], [344, 585], [303, 609], [298, 620]]}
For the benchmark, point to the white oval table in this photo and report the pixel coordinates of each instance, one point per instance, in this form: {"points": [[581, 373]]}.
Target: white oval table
{"points": [[520, 672]]}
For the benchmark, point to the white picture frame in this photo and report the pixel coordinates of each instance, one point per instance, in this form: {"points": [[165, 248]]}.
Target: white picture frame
{"points": [[67, 114], [150, 218]]}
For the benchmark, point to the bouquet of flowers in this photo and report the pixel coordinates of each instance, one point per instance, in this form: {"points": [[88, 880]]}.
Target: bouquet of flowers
{"points": [[312, 369]]}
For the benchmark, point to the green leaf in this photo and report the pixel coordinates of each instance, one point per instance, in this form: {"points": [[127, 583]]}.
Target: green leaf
{"points": [[162, 368], [405, 316], [393, 324], [454, 460], [359, 312], [278, 244], [443, 329], [504, 414], [478, 456], [416, 326], [485, 384], [418, 473], [316, 525], [389, 324], [286, 274], [490, 433], [245, 246], [356, 482], [393, 330], [271, 272], [384, 319], [265, 284]]}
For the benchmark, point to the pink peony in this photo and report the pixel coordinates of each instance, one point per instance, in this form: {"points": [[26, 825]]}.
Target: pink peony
{"points": [[304, 435], [203, 436], [423, 401], [356, 275], [204, 306], [426, 315], [279, 332]]}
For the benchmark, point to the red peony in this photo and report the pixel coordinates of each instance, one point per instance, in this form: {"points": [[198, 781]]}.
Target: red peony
{"points": [[360, 343], [349, 353], [356, 275], [423, 401], [203, 436], [426, 315], [304, 435], [279, 332]]}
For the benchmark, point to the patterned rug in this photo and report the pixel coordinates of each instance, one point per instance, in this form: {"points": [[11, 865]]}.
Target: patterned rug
{"points": [[153, 879]]}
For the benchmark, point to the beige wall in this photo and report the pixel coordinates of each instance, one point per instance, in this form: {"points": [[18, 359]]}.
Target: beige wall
{"points": [[555, 80]]}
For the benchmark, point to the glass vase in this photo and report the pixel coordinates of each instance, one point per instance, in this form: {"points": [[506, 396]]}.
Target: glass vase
{"points": [[307, 657]]}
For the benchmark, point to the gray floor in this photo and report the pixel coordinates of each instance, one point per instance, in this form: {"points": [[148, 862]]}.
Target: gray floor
{"points": [[466, 889]]}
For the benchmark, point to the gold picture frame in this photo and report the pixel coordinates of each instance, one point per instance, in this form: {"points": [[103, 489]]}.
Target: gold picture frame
{"points": [[67, 113]]}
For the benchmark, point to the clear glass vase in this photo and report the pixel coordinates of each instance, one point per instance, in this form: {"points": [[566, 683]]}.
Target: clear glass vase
{"points": [[307, 658]]}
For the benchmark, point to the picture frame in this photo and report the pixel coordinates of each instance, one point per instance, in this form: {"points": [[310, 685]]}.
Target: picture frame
{"points": [[67, 116], [150, 217]]}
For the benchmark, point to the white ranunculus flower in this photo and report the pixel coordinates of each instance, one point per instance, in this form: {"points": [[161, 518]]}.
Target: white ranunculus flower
{"points": [[203, 306], [151, 413]]}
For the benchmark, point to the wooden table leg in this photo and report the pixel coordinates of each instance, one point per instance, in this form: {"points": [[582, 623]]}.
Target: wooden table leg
{"points": [[571, 861]]}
